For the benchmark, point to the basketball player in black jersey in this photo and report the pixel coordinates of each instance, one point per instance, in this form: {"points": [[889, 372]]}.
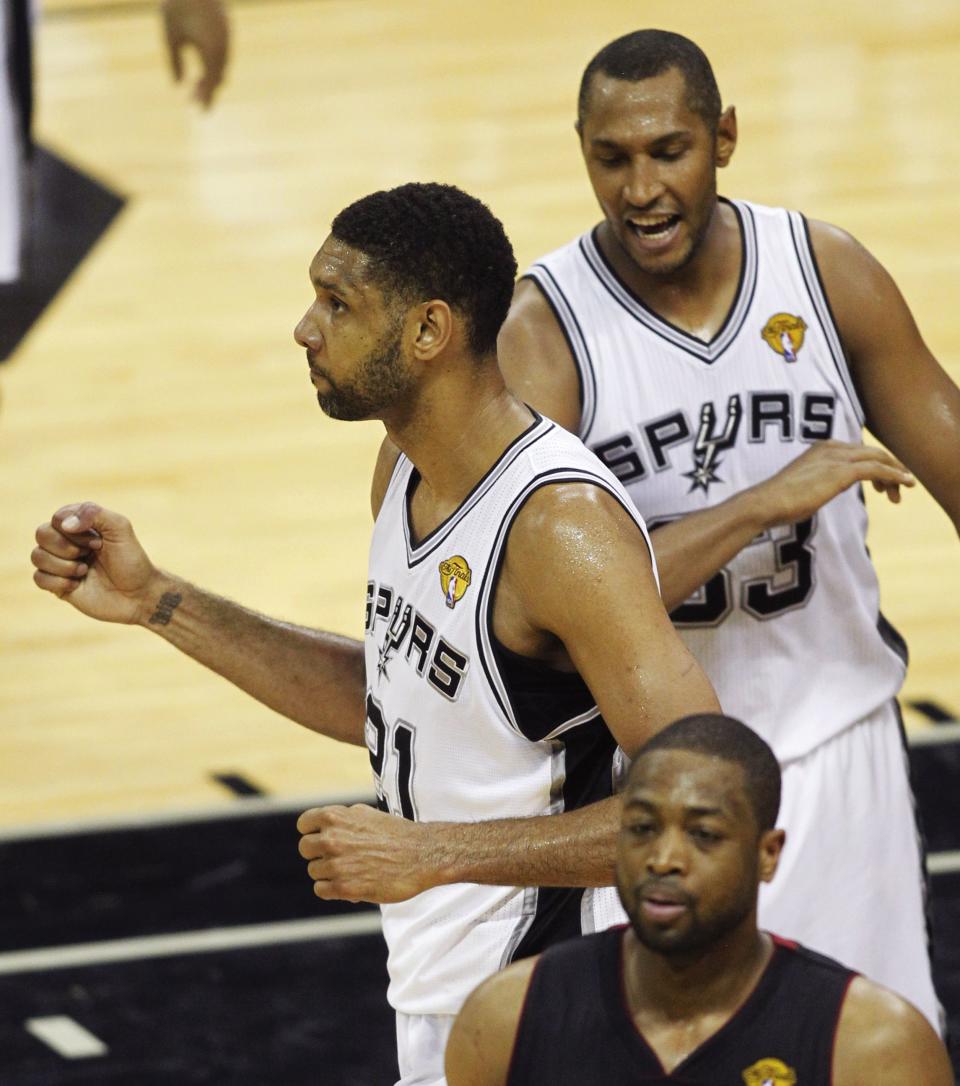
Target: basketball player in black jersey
{"points": [[693, 991]]}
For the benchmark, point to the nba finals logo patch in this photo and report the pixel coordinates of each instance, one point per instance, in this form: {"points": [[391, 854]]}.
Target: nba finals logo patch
{"points": [[783, 333], [454, 579], [770, 1073]]}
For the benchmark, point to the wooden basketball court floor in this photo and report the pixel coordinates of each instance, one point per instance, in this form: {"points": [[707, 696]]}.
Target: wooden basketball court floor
{"points": [[142, 799]]}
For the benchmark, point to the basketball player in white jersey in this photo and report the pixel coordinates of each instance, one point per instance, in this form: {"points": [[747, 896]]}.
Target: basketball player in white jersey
{"points": [[516, 646], [701, 346]]}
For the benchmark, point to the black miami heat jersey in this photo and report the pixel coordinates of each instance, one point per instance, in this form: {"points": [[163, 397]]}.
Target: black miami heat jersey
{"points": [[790, 632], [576, 1028], [459, 729]]}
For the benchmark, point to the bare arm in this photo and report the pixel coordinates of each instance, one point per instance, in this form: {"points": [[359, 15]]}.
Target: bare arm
{"points": [[910, 402], [481, 1041], [538, 366], [90, 557], [576, 586], [692, 549], [883, 1041]]}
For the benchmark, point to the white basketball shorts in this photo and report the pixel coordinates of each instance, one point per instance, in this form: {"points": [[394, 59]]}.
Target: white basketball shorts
{"points": [[851, 883]]}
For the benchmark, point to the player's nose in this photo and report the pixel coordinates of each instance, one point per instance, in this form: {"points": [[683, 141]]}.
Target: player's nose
{"points": [[666, 855], [307, 334], [642, 184]]}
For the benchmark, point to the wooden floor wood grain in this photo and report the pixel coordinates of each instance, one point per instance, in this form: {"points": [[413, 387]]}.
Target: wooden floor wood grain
{"points": [[164, 381]]}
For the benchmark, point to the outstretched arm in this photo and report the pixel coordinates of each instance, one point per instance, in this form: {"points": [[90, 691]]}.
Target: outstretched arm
{"points": [[90, 557], [910, 402], [481, 1041], [882, 1039], [538, 366], [576, 587]]}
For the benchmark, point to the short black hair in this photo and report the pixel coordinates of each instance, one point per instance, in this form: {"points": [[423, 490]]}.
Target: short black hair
{"points": [[719, 736], [643, 54], [436, 241]]}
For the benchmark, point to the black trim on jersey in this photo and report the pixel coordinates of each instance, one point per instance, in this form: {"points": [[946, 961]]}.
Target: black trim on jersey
{"points": [[491, 575], [541, 696], [585, 423], [816, 290], [924, 874], [889, 634], [417, 552], [892, 637], [702, 350], [588, 760]]}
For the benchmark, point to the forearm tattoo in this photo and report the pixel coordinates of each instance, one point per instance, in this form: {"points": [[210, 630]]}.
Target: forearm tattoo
{"points": [[166, 605]]}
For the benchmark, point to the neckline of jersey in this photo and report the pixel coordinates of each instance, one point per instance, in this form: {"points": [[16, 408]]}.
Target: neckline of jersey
{"points": [[634, 1036], [417, 552], [704, 350]]}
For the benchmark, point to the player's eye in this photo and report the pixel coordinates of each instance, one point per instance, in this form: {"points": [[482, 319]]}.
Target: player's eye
{"points": [[641, 829], [610, 161], [704, 836]]}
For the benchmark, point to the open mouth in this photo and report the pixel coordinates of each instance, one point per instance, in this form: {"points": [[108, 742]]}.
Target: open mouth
{"points": [[655, 231], [655, 228]]}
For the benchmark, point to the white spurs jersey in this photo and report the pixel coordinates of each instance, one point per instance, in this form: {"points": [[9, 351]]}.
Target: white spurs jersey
{"points": [[790, 632], [460, 729]]}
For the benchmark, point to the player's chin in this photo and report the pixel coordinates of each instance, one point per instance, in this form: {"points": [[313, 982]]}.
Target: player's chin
{"points": [[662, 264], [674, 936]]}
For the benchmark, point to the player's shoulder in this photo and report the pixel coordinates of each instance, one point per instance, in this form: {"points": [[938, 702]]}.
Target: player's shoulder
{"points": [[508, 988], [531, 310], [572, 491], [571, 507], [535, 356], [858, 286], [809, 960], [482, 1039], [813, 982], [833, 243], [828, 240], [882, 1037], [529, 307]]}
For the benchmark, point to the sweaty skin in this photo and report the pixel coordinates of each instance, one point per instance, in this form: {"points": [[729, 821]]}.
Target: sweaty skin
{"points": [[648, 156], [553, 603]]}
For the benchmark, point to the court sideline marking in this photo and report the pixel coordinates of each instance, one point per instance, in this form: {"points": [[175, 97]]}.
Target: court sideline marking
{"points": [[189, 942]]}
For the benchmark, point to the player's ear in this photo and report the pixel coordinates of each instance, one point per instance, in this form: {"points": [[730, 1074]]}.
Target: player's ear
{"points": [[726, 136], [770, 846], [433, 329]]}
